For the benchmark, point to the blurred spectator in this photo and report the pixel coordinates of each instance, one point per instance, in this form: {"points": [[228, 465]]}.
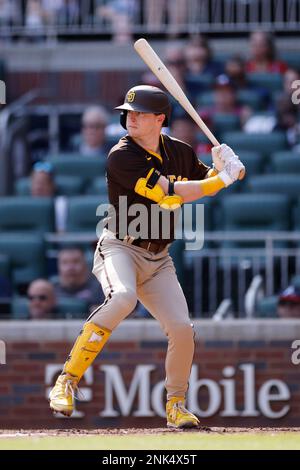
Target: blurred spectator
{"points": [[199, 58], [290, 76], [68, 12], [42, 300], [42, 180], [34, 18], [175, 61], [287, 121], [92, 142], [43, 185], [74, 278], [51, 10], [183, 128], [156, 11], [236, 71], [263, 54], [289, 303], [9, 12], [121, 14]]}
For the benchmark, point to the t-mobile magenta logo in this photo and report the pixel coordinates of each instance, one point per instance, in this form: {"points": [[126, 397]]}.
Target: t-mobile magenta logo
{"points": [[2, 92], [2, 353]]}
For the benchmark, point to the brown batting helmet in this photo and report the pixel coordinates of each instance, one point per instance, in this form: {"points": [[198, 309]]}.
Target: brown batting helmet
{"points": [[145, 99]]}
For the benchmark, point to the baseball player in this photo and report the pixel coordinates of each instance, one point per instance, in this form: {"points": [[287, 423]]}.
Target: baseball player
{"points": [[149, 168]]}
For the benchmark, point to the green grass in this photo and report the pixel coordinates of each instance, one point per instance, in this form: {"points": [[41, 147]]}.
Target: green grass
{"points": [[199, 441]]}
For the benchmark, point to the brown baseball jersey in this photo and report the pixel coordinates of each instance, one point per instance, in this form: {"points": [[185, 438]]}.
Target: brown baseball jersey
{"points": [[128, 161]]}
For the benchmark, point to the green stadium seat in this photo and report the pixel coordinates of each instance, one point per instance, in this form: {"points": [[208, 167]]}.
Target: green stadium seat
{"points": [[75, 165], [70, 308], [68, 185], [196, 83], [97, 186], [254, 212], [247, 97], [285, 162], [26, 254], [26, 214], [286, 184], [292, 58], [270, 81], [5, 267], [267, 307], [82, 213], [266, 144], [65, 185], [251, 98], [253, 161], [295, 281], [176, 252], [205, 99], [225, 122], [296, 218]]}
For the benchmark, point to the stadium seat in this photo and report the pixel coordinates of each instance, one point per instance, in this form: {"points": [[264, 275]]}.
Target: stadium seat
{"points": [[292, 58], [266, 144], [197, 83], [97, 186], [26, 254], [285, 162], [4, 265], [267, 307], [251, 98], [286, 184], [26, 214], [225, 122], [270, 81], [254, 212], [65, 185], [253, 161], [176, 252], [82, 213], [66, 308], [295, 281], [75, 165], [247, 97], [296, 216]]}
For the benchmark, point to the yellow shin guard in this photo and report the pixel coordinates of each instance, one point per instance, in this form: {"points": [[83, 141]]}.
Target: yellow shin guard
{"points": [[89, 343]]}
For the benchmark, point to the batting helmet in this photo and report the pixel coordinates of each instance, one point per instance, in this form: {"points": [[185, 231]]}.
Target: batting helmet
{"points": [[145, 99]]}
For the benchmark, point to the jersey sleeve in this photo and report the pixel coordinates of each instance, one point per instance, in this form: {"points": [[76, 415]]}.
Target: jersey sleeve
{"points": [[125, 168], [198, 170]]}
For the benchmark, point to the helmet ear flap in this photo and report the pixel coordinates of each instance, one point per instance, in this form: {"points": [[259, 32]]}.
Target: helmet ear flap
{"points": [[123, 117]]}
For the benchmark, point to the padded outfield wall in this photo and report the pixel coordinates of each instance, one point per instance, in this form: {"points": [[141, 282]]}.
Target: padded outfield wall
{"points": [[245, 373]]}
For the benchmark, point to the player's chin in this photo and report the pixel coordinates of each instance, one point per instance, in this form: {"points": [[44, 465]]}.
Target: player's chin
{"points": [[132, 131]]}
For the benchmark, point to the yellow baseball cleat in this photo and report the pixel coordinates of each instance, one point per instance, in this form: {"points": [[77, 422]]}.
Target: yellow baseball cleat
{"points": [[178, 416], [62, 395]]}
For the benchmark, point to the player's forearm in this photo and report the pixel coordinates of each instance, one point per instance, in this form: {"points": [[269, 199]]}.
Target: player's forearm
{"points": [[193, 190]]}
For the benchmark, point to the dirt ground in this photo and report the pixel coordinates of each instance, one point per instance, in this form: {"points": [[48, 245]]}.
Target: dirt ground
{"points": [[5, 433]]}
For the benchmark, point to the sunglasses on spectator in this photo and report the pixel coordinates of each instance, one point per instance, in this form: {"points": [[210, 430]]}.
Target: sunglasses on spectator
{"points": [[37, 297], [92, 125], [46, 167]]}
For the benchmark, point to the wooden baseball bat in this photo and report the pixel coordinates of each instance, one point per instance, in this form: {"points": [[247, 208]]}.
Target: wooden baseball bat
{"points": [[149, 56]]}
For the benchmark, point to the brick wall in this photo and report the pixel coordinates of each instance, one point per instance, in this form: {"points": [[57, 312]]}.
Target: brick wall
{"points": [[235, 374]]}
